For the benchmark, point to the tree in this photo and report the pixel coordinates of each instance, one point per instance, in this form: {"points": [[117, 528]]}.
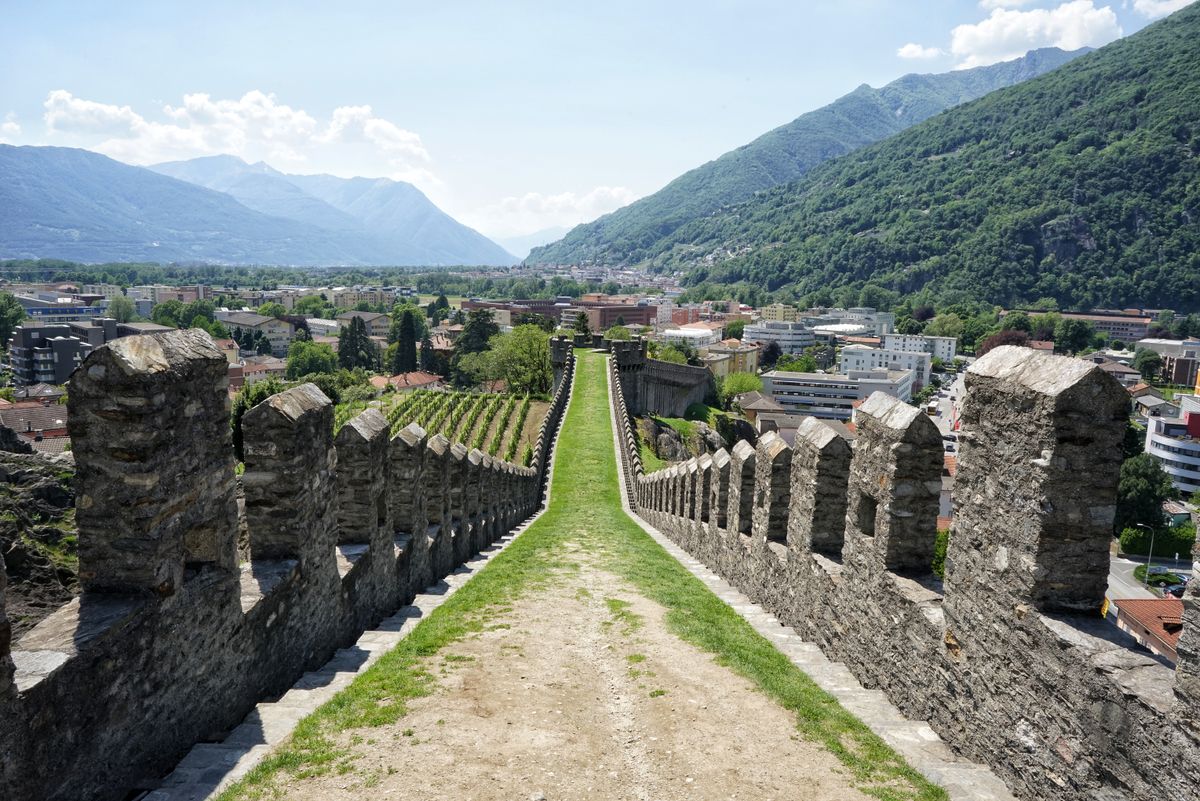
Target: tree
{"points": [[1140, 493], [945, 325], [121, 309], [530, 318], [581, 323], [734, 329], [406, 344], [314, 306], [476, 334], [1009, 336], [1072, 336], [168, 313], [618, 332], [670, 353], [1044, 326], [736, 384], [803, 363], [272, 309], [420, 326], [11, 315], [305, 357], [520, 358], [770, 354], [246, 400], [1148, 363], [1017, 321], [355, 348]]}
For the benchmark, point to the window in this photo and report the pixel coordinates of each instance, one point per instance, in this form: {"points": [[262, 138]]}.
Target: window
{"points": [[867, 509]]}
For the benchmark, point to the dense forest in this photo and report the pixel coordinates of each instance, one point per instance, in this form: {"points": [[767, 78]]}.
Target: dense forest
{"points": [[785, 154], [1080, 187]]}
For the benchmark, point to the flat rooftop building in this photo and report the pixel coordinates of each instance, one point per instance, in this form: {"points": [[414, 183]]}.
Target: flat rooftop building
{"points": [[832, 396]]}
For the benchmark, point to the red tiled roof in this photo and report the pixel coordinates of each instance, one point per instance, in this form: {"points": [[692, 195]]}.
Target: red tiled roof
{"points": [[1140, 386], [1161, 616], [1040, 344], [944, 523], [950, 464], [411, 380]]}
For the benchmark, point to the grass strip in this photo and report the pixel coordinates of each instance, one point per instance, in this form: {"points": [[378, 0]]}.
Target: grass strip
{"points": [[585, 508]]}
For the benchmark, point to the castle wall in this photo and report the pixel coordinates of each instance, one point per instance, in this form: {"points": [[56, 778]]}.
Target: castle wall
{"points": [[171, 640], [1009, 660]]}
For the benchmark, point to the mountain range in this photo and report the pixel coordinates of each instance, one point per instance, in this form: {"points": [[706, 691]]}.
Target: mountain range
{"points": [[1081, 186], [866, 115], [75, 204]]}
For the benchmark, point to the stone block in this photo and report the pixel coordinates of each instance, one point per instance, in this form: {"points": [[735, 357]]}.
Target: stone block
{"points": [[289, 482], [149, 424], [895, 485], [820, 475], [362, 480], [741, 488], [772, 488], [1037, 480]]}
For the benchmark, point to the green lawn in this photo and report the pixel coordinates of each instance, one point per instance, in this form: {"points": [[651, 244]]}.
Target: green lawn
{"points": [[586, 511]]}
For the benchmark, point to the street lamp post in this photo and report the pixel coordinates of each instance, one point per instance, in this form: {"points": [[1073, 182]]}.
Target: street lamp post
{"points": [[1150, 553]]}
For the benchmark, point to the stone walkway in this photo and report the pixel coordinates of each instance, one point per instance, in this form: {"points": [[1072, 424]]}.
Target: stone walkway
{"points": [[210, 767]]}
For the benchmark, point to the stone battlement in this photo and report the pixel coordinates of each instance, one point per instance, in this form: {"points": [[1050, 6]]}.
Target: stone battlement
{"points": [[172, 641], [1008, 659]]}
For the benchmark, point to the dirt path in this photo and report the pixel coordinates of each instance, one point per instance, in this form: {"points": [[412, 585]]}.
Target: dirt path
{"points": [[579, 691]]}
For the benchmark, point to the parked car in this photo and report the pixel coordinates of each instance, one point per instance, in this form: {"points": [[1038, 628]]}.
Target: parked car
{"points": [[949, 447], [1175, 590]]}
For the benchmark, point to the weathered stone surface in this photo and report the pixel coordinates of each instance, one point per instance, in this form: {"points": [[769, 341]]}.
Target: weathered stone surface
{"points": [[6, 665], [289, 480], [1043, 443], [895, 483], [1061, 705], [741, 488], [362, 480], [820, 476], [772, 490], [149, 424]]}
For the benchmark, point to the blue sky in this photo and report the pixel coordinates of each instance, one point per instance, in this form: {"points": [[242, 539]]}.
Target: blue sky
{"points": [[512, 116]]}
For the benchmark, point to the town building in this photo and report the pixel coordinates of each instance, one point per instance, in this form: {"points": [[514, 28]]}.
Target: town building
{"points": [[378, 325], [51, 308], [780, 313], [944, 348], [856, 320], [278, 332], [832, 396], [260, 368], [1174, 440], [792, 337], [1180, 359], [320, 327], [860, 357], [731, 356], [697, 338], [1155, 623], [407, 382], [1126, 327], [49, 353]]}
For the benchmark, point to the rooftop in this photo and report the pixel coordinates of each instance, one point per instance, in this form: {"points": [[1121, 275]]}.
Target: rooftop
{"points": [[1162, 617]]}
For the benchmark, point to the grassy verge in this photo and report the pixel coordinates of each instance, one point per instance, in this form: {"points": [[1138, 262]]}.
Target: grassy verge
{"points": [[586, 510]]}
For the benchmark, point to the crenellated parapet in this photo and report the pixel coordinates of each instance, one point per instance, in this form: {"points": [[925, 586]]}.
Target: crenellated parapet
{"points": [[1009, 660], [172, 639]]}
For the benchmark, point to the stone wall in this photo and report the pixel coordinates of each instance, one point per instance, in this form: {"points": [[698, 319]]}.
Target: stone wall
{"points": [[654, 387], [172, 640], [1009, 660]]}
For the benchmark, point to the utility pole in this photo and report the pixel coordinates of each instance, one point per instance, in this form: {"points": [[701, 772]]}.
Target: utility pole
{"points": [[1150, 553]]}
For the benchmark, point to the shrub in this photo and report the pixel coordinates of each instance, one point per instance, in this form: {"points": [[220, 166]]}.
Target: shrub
{"points": [[1167, 542]]}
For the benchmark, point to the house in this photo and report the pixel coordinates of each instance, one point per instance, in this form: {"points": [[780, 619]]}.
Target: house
{"points": [[230, 349], [755, 403], [406, 382], [731, 356], [258, 368], [378, 325], [1155, 623], [1154, 406], [1142, 389], [36, 423], [278, 332], [1122, 372]]}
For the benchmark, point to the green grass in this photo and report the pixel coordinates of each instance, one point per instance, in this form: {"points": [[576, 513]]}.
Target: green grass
{"points": [[1158, 579], [650, 460], [586, 511]]}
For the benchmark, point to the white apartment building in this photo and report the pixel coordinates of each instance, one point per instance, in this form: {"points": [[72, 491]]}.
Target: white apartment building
{"points": [[696, 337], [864, 357], [793, 337], [874, 323], [944, 348], [320, 327], [1175, 443], [832, 397]]}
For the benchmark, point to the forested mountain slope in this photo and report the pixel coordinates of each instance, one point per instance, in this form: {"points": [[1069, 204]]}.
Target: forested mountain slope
{"points": [[1082, 185], [862, 117]]}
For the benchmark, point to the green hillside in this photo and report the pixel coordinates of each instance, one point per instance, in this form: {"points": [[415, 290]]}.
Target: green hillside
{"points": [[862, 117], [1082, 185]]}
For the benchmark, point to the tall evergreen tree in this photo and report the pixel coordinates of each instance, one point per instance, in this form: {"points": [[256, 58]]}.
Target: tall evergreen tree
{"points": [[406, 344], [355, 348]]}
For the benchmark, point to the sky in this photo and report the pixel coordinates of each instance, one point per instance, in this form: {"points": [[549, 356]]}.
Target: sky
{"points": [[512, 116]]}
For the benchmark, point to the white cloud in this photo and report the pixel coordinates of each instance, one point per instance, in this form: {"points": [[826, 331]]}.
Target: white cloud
{"points": [[1159, 8], [256, 127], [913, 50], [1008, 34], [10, 127], [990, 4], [536, 211]]}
